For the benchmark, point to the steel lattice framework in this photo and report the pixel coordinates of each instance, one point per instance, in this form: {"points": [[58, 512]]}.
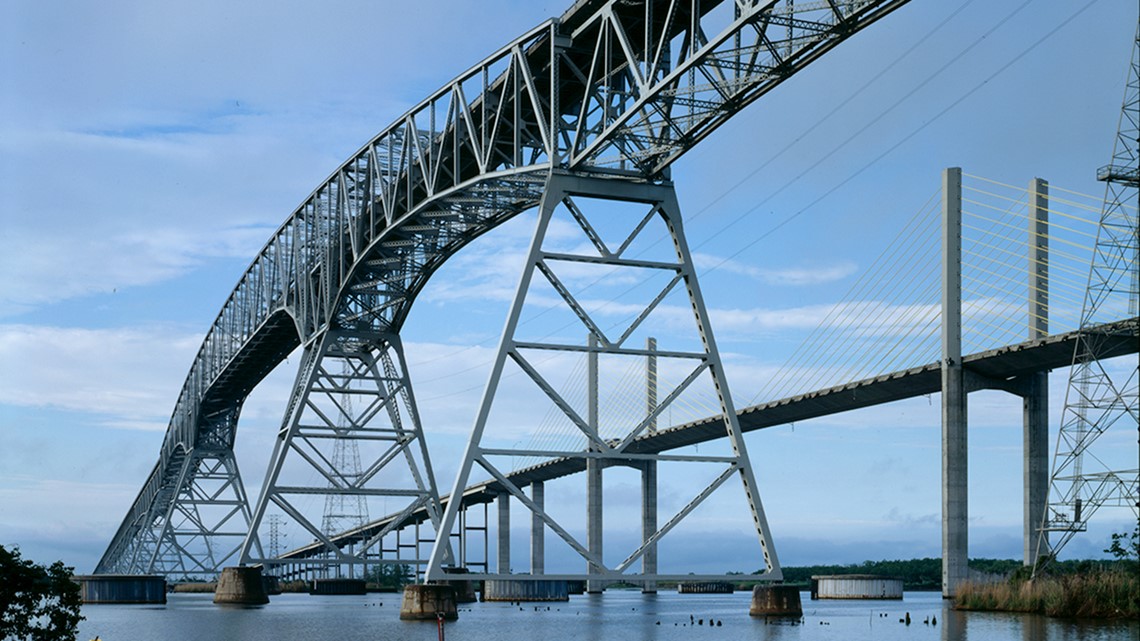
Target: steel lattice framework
{"points": [[613, 88], [1099, 399]]}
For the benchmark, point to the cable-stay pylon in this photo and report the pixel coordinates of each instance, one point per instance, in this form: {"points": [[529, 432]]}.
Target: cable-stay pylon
{"points": [[1101, 398]]}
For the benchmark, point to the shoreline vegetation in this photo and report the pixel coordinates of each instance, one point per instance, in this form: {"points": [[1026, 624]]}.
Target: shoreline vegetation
{"points": [[1100, 593]]}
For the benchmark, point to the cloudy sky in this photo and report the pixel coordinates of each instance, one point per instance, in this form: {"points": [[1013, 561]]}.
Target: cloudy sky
{"points": [[148, 150]]}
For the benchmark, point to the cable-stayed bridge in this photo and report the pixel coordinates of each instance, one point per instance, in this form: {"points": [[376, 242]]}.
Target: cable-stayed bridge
{"points": [[890, 322], [593, 106]]}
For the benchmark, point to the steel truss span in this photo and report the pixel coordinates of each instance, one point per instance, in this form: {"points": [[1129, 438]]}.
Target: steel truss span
{"points": [[613, 88]]}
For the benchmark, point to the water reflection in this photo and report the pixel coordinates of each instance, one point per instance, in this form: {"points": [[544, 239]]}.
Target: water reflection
{"points": [[616, 615]]}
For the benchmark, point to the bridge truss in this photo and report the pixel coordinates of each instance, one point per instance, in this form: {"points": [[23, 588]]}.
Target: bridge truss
{"points": [[612, 88]]}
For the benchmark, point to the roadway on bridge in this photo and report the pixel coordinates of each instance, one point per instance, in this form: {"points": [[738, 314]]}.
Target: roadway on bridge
{"points": [[1001, 368]]}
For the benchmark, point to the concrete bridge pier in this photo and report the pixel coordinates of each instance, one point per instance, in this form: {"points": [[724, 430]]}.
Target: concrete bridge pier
{"points": [[503, 505], [955, 546], [649, 523], [649, 473], [537, 529], [957, 383], [1035, 408], [241, 585], [428, 602], [593, 472]]}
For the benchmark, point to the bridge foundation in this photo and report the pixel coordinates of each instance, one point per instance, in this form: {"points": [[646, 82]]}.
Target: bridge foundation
{"points": [[241, 585], [776, 601], [428, 602], [525, 590], [121, 588]]}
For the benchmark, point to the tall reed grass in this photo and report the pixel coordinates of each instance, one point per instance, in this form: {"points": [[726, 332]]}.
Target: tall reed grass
{"points": [[1100, 594]]}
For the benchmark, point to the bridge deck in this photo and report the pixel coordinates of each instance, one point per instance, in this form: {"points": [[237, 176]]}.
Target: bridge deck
{"points": [[993, 369]]}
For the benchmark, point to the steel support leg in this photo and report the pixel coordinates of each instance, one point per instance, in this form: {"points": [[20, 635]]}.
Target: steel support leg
{"points": [[691, 357], [351, 385]]}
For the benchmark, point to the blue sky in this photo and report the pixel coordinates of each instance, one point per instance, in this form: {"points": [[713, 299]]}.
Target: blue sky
{"points": [[147, 151]]}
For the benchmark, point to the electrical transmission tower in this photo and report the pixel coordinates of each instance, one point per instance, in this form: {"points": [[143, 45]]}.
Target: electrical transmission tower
{"points": [[345, 511], [1101, 397], [275, 536]]}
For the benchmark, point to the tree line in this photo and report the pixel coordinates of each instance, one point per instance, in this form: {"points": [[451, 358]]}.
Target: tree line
{"points": [[926, 574]]}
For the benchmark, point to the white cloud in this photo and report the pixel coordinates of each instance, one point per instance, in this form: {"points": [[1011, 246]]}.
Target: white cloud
{"points": [[129, 378], [786, 276]]}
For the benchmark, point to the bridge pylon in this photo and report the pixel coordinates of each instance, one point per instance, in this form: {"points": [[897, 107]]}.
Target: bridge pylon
{"points": [[593, 427], [352, 386]]}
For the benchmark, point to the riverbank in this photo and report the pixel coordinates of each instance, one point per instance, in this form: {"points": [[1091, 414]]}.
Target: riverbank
{"points": [[1098, 594]]}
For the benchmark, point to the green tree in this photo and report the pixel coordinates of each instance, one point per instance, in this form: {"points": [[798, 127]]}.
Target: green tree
{"points": [[391, 575], [37, 603], [1125, 546]]}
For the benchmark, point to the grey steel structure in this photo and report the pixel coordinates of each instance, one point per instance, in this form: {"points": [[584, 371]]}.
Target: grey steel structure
{"points": [[601, 448], [1007, 368], [1098, 399], [613, 89]]}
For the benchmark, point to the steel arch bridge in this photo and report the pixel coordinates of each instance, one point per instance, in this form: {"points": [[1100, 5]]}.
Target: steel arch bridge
{"points": [[614, 89]]}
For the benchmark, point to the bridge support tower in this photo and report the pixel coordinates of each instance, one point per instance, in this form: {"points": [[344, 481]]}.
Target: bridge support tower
{"points": [[383, 422], [587, 437], [1035, 399], [958, 382]]}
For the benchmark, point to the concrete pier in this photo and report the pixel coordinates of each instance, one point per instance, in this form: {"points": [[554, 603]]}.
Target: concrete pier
{"points": [[649, 473], [428, 603], [241, 586], [856, 586], [337, 586], [1035, 407], [464, 588], [955, 514], [518, 590], [649, 523], [537, 529], [121, 588], [593, 472], [776, 601], [272, 584], [706, 587], [503, 547]]}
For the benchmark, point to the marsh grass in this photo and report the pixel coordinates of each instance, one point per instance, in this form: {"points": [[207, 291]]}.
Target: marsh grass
{"points": [[1099, 594]]}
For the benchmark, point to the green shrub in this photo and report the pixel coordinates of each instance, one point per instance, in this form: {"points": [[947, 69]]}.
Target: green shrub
{"points": [[37, 603]]}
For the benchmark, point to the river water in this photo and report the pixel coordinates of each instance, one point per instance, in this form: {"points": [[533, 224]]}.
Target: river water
{"points": [[624, 615]]}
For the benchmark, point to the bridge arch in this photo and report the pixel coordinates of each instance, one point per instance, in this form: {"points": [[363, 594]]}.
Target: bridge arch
{"points": [[611, 88]]}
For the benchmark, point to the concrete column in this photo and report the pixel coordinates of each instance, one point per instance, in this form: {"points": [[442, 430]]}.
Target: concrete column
{"points": [[955, 548], [537, 529], [649, 473], [649, 522], [1035, 408], [503, 502], [593, 470]]}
